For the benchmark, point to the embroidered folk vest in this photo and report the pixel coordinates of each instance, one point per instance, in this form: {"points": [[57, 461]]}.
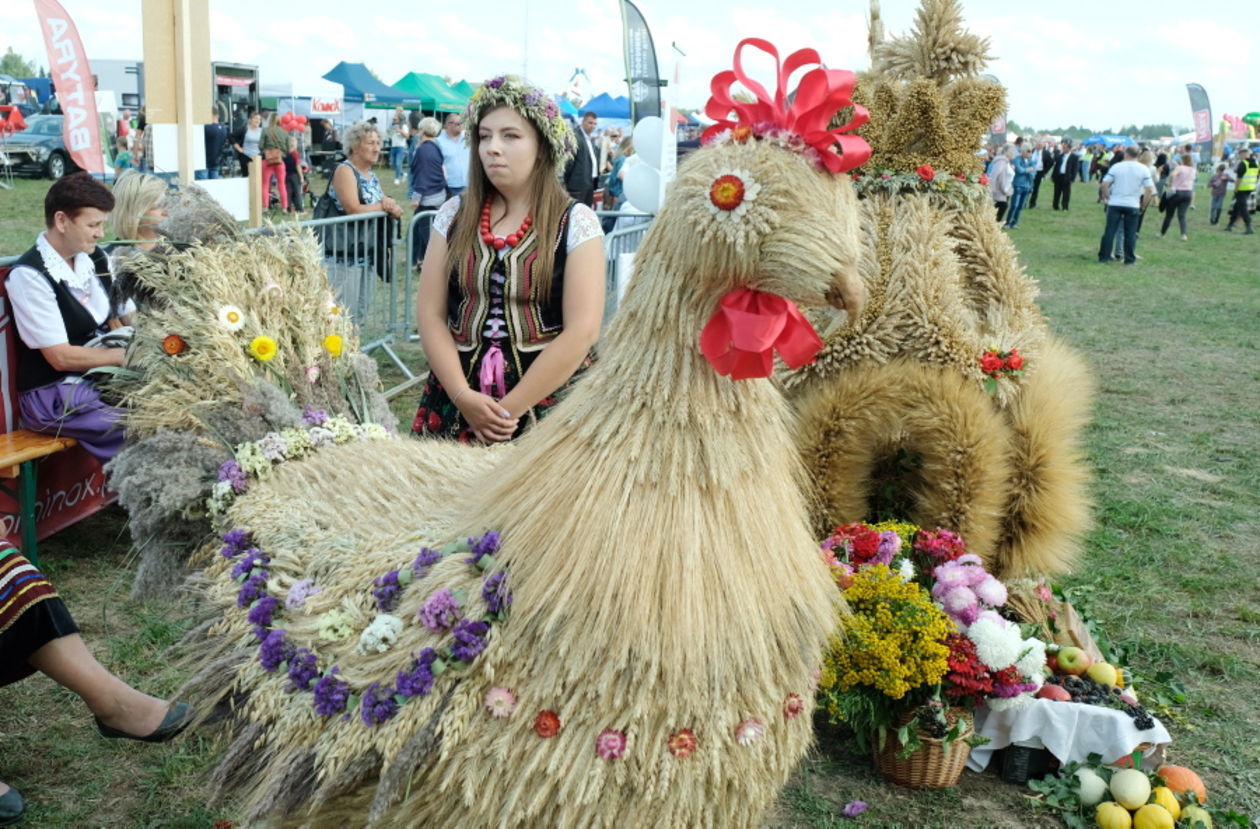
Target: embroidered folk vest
{"points": [[532, 321]]}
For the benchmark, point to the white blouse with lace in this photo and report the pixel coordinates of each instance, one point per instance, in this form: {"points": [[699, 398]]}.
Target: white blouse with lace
{"points": [[583, 223]]}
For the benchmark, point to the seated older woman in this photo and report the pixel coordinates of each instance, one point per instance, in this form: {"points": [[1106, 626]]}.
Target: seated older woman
{"points": [[37, 633], [61, 298]]}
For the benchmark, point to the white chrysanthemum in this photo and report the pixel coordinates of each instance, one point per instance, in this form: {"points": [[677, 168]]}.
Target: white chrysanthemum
{"points": [[1033, 660], [231, 318], [1015, 703], [380, 635], [997, 646], [905, 569]]}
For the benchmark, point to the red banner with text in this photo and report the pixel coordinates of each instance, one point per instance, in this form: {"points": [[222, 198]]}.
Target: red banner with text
{"points": [[72, 76]]}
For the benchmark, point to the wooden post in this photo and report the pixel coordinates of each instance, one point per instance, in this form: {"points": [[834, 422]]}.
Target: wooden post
{"points": [[177, 82], [256, 205]]}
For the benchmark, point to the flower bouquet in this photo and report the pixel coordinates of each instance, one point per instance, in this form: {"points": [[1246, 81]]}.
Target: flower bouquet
{"points": [[923, 646]]}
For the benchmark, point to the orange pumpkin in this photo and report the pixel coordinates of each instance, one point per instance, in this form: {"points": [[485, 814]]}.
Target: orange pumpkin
{"points": [[1181, 780]]}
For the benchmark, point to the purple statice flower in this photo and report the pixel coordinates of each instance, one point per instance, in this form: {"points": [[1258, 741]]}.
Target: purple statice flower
{"points": [[262, 611], [254, 588], [417, 681], [378, 705], [495, 592], [550, 108], [235, 542], [303, 669], [482, 547], [426, 559], [299, 593], [470, 639], [496, 82], [274, 650], [331, 694], [440, 611], [387, 591], [532, 97], [254, 557], [854, 808], [313, 416], [231, 471]]}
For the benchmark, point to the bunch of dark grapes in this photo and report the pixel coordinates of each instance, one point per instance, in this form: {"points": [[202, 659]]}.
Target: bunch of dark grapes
{"points": [[932, 721], [1085, 690]]}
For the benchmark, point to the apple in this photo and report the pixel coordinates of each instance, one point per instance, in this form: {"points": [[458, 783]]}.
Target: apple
{"points": [[1074, 661], [1053, 692], [1102, 673], [1052, 662]]}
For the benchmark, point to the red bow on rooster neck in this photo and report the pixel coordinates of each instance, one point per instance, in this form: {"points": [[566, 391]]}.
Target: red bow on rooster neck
{"points": [[806, 114], [749, 326]]}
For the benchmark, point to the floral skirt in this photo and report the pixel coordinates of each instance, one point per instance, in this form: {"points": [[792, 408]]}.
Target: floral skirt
{"points": [[437, 416]]}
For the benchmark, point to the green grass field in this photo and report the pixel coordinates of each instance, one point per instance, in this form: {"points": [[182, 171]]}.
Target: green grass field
{"points": [[1171, 573]]}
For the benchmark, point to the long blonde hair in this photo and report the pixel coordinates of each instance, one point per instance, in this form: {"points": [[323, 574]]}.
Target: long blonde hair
{"points": [[135, 194], [548, 202]]}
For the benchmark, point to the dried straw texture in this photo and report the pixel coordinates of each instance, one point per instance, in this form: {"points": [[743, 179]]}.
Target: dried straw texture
{"points": [[945, 284], [278, 283], [657, 548], [1048, 511], [851, 424], [937, 48]]}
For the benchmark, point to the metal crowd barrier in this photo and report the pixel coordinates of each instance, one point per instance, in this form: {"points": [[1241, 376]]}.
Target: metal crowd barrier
{"points": [[370, 269]]}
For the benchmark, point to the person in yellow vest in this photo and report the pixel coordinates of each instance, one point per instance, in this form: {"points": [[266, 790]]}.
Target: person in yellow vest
{"points": [[1248, 171]]}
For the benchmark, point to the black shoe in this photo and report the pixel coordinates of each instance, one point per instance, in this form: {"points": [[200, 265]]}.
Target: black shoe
{"points": [[1249, 232], [1229, 228], [12, 807], [175, 721]]}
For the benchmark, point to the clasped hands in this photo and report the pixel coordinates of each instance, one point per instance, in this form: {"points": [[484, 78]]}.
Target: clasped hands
{"points": [[490, 422]]}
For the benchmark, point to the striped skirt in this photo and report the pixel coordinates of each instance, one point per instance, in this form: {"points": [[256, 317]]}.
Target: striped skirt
{"points": [[31, 614]]}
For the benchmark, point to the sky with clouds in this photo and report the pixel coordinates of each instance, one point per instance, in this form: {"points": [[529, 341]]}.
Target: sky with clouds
{"points": [[1096, 64]]}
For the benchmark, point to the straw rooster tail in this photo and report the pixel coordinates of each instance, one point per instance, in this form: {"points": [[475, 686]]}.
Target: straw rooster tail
{"points": [[897, 416], [616, 620]]}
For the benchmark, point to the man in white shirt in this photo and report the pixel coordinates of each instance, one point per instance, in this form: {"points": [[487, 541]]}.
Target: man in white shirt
{"points": [[60, 294], [1126, 189], [454, 154]]}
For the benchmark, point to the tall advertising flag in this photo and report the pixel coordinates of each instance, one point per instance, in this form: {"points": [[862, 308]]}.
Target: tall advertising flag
{"points": [[68, 65], [641, 70], [1202, 112]]}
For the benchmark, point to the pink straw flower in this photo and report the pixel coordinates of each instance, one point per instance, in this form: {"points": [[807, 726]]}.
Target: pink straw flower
{"points": [[793, 706], [610, 744], [500, 702], [749, 731]]}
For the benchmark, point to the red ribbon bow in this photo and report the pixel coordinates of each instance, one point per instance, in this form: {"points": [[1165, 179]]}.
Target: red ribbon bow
{"points": [[821, 94], [749, 326]]}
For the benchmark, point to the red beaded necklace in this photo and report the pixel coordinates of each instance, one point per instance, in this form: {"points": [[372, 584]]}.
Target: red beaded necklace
{"points": [[501, 242]]}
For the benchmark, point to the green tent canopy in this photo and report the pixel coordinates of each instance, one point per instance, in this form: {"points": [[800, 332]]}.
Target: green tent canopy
{"points": [[432, 91], [464, 88]]}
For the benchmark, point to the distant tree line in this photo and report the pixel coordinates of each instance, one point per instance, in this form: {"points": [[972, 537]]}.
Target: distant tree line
{"points": [[1076, 133], [19, 67]]}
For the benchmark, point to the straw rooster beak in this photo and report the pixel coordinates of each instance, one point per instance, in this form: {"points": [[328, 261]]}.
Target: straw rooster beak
{"points": [[848, 293]]}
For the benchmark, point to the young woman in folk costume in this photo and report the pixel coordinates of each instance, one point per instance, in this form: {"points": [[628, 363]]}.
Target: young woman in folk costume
{"points": [[512, 288], [532, 676]]}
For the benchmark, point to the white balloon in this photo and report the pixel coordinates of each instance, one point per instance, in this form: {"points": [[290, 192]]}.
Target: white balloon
{"points": [[647, 140], [642, 186]]}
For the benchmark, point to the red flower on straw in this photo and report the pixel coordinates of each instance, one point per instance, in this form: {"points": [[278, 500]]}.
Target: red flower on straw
{"points": [[925, 172], [806, 114]]}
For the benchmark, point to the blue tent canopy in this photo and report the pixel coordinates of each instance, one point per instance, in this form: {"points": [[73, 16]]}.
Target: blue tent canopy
{"points": [[608, 107], [566, 106], [362, 86], [1109, 141]]}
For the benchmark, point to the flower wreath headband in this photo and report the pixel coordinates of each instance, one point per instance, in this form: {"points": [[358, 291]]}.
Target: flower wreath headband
{"points": [[533, 103], [741, 337]]}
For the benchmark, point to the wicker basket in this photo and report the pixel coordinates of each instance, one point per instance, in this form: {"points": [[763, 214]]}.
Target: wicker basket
{"points": [[934, 766]]}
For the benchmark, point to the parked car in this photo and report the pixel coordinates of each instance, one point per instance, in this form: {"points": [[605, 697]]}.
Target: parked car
{"points": [[39, 149]]}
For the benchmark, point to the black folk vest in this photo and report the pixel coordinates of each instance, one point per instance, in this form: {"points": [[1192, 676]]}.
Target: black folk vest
{"points": [[33, 370]]}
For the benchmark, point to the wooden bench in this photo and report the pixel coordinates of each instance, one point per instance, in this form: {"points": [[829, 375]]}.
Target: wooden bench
{"points": [[19, 451], [47, 482]]}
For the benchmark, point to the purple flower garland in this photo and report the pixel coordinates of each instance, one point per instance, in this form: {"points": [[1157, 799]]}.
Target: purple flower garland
{"points": [[331, 694]]}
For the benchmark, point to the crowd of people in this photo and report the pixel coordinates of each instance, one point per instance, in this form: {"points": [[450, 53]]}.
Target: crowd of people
{"points": [[1129, 178]]}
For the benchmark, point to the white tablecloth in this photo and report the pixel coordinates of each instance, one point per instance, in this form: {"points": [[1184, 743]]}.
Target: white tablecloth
{"points": [[1070, 730]]}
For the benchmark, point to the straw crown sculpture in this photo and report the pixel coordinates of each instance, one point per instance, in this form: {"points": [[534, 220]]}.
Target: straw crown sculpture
{"points": [[616, 619], [948, 402]]}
